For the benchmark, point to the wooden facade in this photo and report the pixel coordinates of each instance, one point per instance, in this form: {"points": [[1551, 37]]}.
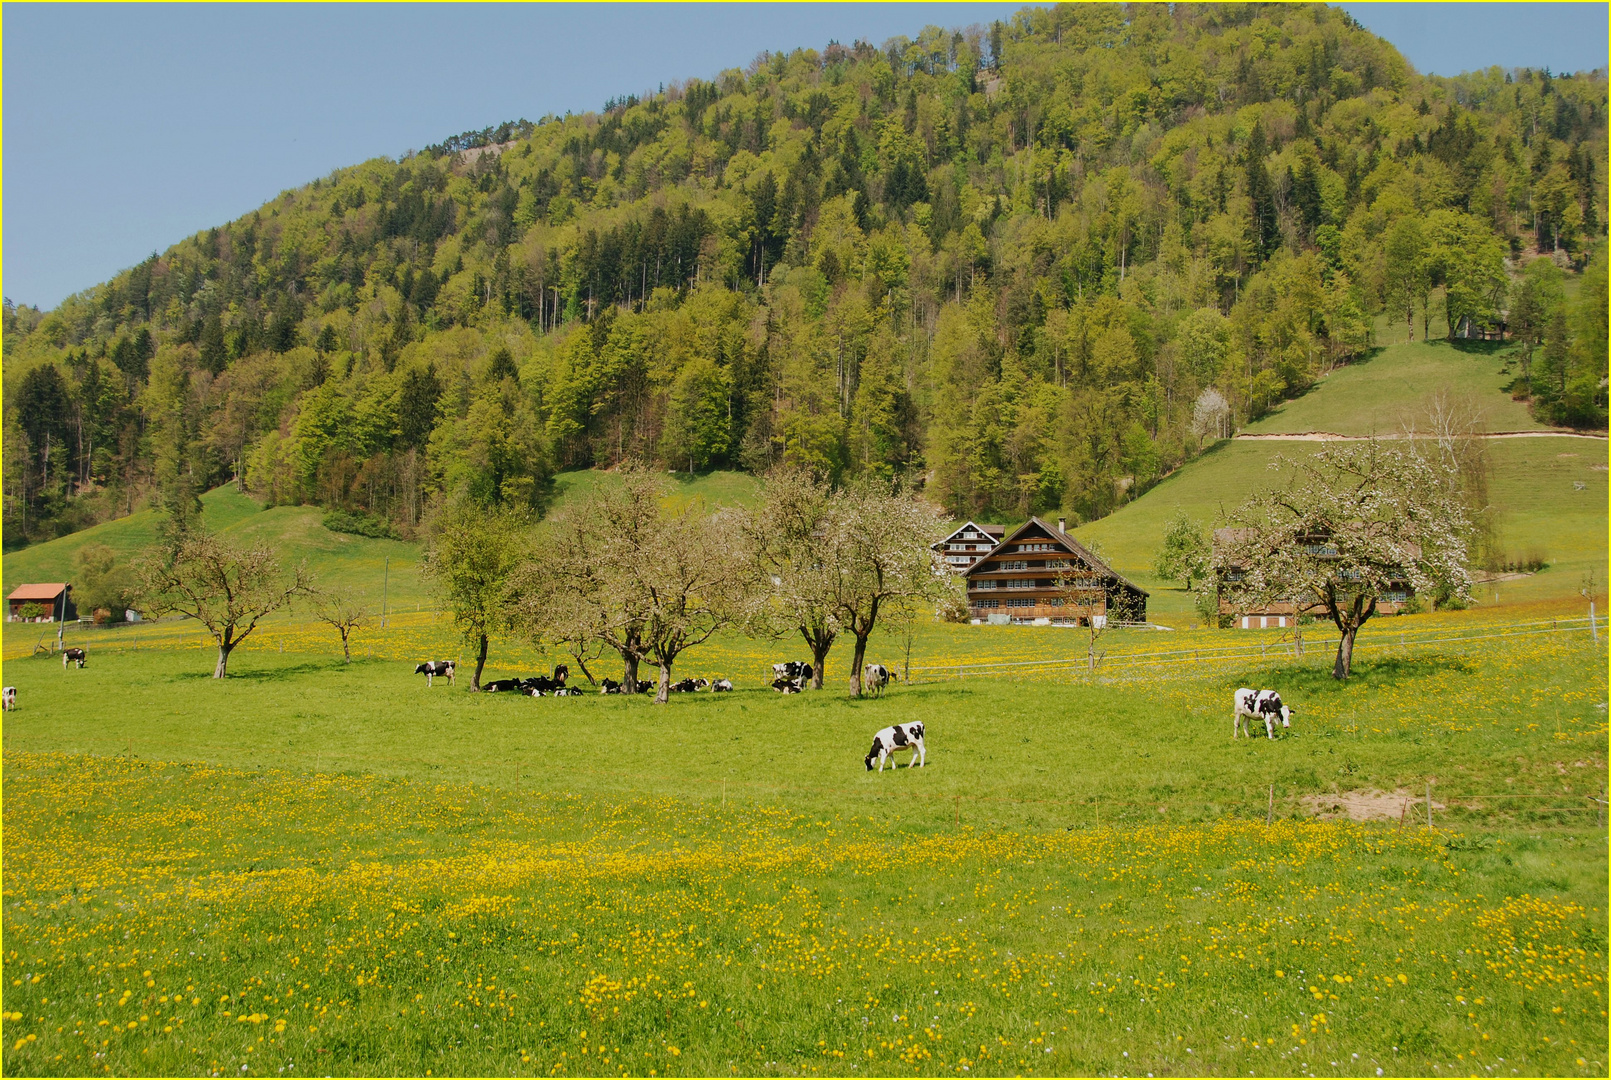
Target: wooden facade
{"points": [[1039, 574], [968, 545], [1279, 614]]}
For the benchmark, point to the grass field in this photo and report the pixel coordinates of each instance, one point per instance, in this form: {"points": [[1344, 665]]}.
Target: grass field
{"points": [[324, 868]]}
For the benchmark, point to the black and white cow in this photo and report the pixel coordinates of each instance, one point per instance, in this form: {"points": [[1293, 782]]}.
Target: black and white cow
{"points": [[499, 686], [76, 656], [875, 677], [537, 685], [787, 686], [8, 698], [432, 668], [722, 686], [686, 686], [568, 691], [792, 669], [898, 737], [610, 686], [1262, 705]]}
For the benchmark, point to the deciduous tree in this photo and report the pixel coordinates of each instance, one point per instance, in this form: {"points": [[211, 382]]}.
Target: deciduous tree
{"points": [[1354, 522], [228, 590]]}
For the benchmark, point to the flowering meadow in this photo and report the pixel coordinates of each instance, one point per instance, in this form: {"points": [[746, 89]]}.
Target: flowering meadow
{"points": [[321, 868], [171, 918]]}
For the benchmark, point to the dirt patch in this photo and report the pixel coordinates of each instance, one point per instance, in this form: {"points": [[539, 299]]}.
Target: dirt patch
{"points": [[1367, 805]]}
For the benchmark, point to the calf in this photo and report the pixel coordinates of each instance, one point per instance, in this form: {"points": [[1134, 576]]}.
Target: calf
{"points": [[432, 668], [898, 737], [8, 698], [874, 677], [77, 656], [721, 686], [1264, 705]]}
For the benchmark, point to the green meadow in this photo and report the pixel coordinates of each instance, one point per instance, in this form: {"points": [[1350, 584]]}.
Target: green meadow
{"points": [[327, 868]]}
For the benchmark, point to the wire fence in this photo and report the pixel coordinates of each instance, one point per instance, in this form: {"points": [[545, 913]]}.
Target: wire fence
{"points": [[1289, 647]]}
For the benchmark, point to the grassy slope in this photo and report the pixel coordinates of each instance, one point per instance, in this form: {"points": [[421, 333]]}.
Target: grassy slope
{"points": [[298, 532], [1533, 481], [1380, 395]]}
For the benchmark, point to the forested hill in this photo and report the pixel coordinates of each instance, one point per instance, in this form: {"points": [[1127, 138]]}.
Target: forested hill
{"points": [[1032, 266]]}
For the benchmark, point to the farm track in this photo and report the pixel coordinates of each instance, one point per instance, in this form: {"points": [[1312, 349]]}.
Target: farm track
{"points": [[1332, 436]]}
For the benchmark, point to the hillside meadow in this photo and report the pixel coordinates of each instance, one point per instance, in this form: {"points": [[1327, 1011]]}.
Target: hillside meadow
{"points": [[322, 867]]}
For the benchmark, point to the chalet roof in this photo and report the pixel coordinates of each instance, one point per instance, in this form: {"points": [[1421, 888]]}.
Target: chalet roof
{"points": [[47, 591], [1068, 542], [994, 531]]}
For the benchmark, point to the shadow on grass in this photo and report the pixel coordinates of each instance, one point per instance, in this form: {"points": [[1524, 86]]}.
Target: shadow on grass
{"points": [[271, 674], [1374, 673], [1480, 348]]}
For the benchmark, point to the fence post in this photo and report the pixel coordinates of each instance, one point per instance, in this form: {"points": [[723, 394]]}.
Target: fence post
{"points": [[1429, 805]]}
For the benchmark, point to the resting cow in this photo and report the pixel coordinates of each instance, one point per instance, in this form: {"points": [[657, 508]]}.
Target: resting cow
{"points": [[786, 686], [792, 669], [432, 668], [898, 737], [77, 656], [721, 686], [498, 686]]}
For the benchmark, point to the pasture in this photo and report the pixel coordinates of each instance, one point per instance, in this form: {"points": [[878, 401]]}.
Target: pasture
{"points": [[322, 868]]}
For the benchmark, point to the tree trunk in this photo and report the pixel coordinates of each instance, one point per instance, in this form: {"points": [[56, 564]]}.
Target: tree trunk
{"points": [[346, 652], [480, 662], [819, 641], [855, 665], [1345, 653], [663, 693], [223, 659], [629, 673]]}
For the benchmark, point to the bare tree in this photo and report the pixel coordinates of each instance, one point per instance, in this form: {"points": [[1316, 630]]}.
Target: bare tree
{"points": [[785, 541], [1357, 522], [473, 552], [228, 590], [876, 545], [645, 581], [344, 611]]}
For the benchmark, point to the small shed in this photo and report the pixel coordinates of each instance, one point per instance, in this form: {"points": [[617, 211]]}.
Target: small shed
{"points": [[53, 597]]}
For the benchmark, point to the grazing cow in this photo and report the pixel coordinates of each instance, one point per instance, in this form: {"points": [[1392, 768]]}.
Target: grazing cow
{"points": [[721, 686], [1264, 705], [898, 737], [432, 668], [875, 677], [787, 686], [792, 669], [8, 698], [498, 686], [77, 656]]}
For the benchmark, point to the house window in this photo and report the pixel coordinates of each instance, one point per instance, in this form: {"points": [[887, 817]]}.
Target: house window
{"points": [[1012, 564], [986, 603], [984, 584]]}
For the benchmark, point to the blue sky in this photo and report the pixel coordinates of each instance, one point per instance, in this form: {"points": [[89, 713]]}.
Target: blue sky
{"points": [[129, 127]]}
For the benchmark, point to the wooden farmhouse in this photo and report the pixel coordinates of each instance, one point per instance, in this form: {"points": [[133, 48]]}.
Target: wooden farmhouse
{"points": [[51, 598], [1038, 574], [1284, 612], [969, 544]]}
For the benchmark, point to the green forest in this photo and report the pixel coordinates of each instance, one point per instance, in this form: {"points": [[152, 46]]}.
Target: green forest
{"points": [[1031, 267]]}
